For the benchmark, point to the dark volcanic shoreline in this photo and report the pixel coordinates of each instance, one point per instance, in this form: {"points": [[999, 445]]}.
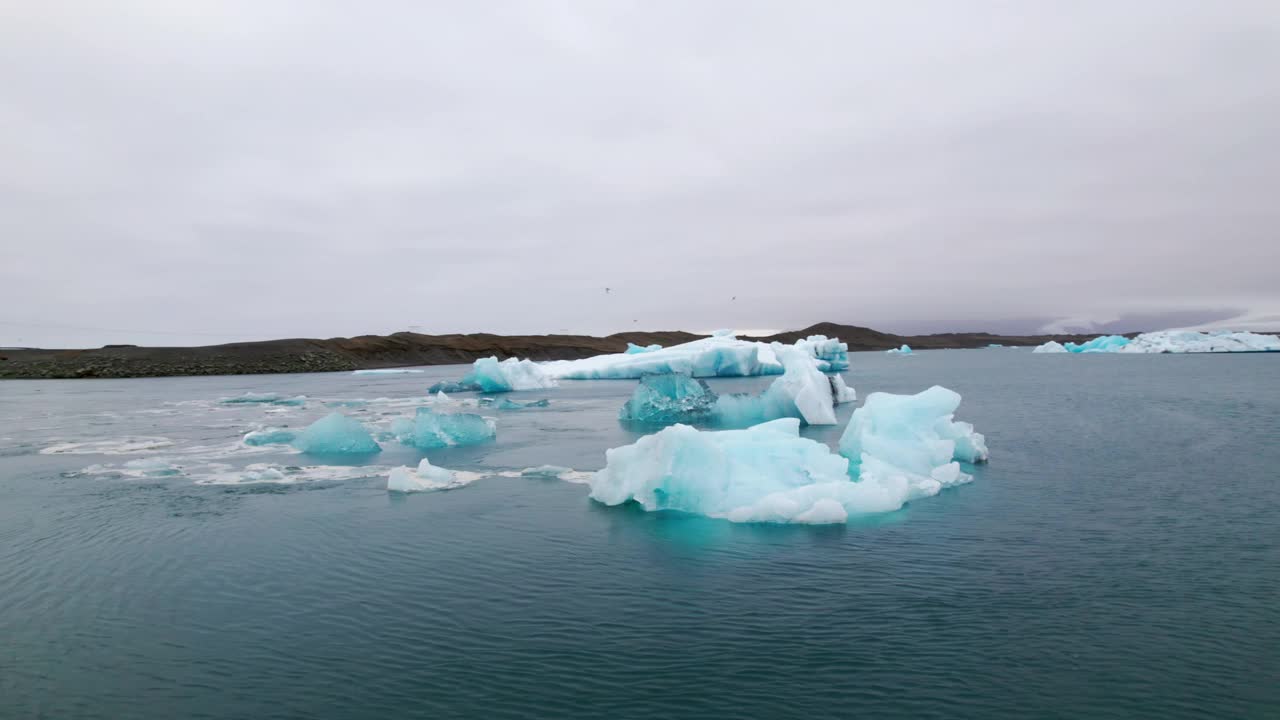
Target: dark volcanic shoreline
{"points": [[405, 349]]}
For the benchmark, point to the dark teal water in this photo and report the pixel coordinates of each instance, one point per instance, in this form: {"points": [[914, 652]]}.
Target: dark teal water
{"points": [[1118, 558]]}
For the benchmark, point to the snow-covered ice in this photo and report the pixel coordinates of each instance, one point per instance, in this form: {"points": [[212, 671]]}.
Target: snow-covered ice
{"points": [[428, 477], [904, 350], [490, 375], [842, 392], [801, 392], [270, 436], [1171, 341], [1053, 346], [912, 439]]}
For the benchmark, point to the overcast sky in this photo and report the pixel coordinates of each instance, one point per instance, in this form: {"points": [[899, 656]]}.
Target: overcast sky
{"points": [[183, 172]]}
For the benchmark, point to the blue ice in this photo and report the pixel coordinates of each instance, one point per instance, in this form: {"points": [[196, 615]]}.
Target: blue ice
{"points": [[492, 376], [905, 448], [669, 398], [634, 349], [1100, 344], [336, 433], [429, 429], [270, 436]]}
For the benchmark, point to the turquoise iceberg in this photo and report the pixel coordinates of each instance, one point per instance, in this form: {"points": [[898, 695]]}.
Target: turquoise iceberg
{"points": [[336, 434]]}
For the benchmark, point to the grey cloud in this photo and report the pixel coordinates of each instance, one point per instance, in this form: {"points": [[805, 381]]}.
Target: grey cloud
{"points": [[242, 170]]}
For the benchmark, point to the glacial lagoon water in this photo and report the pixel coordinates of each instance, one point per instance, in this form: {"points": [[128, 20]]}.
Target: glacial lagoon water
{"points": [[1119, 557]]}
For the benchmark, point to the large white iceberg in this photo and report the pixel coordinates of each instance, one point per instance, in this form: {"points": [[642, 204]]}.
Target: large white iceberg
{"points": [[802, 392], [1171, 341], [905, 447], [489, 375], [913, 438], [721, 355], [1187, 341]]}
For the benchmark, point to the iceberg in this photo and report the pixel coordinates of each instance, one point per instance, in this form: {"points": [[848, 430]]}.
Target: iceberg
{"points": [[842, 392], [427, 477], [1053, 346], [336, 433], [451, 386], [802, 392], [511, 374], [634, 349], [270, 436], [264, 399], [505, 404], [832, 355], [1171, 341], [905, 447], [904, 350], [717, 356], [912, 437], [1186, 341], [429, 429], [669, 398], [1103, 343]]}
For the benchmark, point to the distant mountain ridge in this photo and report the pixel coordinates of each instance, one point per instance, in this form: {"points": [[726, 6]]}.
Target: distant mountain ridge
{"points": [[405, 349]]}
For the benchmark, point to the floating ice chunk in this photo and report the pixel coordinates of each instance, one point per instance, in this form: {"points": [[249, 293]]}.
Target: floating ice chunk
{"points": [[347, 403], [717, 356], [722, 332], [387, 371], [336, 433], [912, 439], [843, 393], [1053, 346], [805, 386], [510, 374], [1185, 341], [1172, 341], [270, 436], [767, 473], [507, 404], [250, 398], [1101, 344], [993, 346], [429, 429], [669, 398], [452, 386], [802, 392], [634, 349], [831, 354], [264, 399], [428, 477], [904, 350]]}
